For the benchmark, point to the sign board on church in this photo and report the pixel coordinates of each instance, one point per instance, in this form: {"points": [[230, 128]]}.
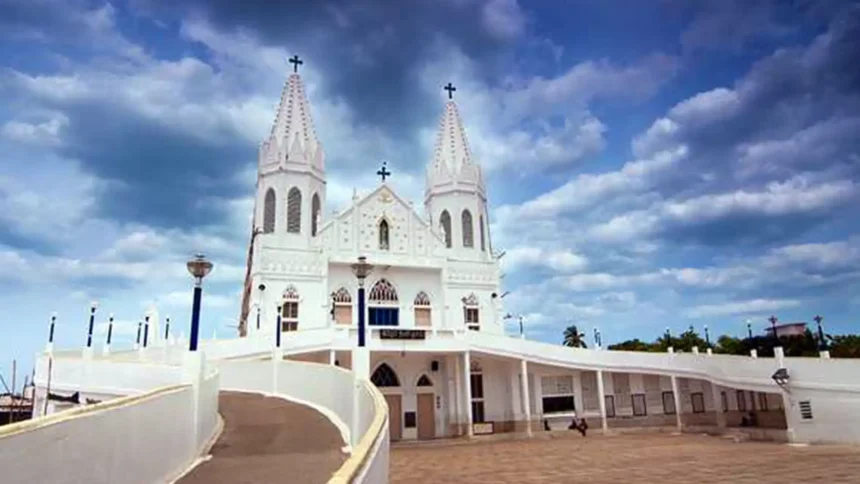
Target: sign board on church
{"points": [[401, 334], [482, 428]]}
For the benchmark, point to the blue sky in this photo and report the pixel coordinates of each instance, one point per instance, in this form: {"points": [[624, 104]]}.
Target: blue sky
{"points": [[650, 164]]}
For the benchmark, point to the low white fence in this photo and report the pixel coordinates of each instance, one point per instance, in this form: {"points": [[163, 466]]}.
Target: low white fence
{"points": [[141, 439]]}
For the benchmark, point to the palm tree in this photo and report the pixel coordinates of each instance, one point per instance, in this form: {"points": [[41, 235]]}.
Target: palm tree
{"points": [[573, 338]]}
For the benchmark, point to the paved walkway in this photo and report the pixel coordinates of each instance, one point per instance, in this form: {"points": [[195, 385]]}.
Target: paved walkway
{"points": [[269, 439], [636, 458]]}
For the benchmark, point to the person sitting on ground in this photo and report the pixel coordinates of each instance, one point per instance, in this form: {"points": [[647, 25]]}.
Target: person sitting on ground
{"points": [[583, 426]]}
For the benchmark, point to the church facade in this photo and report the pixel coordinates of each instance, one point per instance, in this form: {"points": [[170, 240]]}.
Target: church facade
{"points": [[435, 285]]}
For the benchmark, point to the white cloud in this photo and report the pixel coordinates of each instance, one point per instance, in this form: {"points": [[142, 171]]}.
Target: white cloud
{"points": [[519, 258], [754, 306], [503, 19]]}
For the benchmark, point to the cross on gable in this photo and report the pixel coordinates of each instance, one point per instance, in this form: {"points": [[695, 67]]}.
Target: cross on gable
{"points": [[295, 61], [383, 172], [450, 88]]}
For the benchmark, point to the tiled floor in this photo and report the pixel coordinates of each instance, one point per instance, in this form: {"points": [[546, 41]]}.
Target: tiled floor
{"points": [[635, 458]]}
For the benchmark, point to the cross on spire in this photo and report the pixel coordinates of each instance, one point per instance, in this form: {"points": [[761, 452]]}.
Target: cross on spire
{"points": [[450, 88], [383, 172], [296, 62]]}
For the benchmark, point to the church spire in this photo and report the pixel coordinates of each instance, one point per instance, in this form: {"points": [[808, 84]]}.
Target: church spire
{"points": [[293, 137], [452, 158]]}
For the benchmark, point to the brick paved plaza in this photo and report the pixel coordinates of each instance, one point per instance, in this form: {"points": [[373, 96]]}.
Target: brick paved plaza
{"points": [[635, 458]]}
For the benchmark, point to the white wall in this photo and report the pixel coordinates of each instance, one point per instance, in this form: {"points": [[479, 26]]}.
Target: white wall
{"points": [[131, 443]]}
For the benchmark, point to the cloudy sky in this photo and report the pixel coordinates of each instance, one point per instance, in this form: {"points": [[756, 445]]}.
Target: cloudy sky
{"points": [[650, 164]]}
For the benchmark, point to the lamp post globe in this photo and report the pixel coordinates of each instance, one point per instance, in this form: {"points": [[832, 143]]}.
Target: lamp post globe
{"points": [[361, 269], [199, 267]]}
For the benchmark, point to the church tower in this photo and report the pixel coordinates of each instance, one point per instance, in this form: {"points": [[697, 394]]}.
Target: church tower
{"points": [[291, 172], [290, 197], [455, 197]]}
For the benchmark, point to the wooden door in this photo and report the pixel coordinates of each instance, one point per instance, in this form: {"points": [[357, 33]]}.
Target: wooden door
{"points": [[394, 415], [426, 416]]}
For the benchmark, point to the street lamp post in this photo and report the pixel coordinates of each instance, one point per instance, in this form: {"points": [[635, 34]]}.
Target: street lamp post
{"points": [[773, 321], [198, 267], [93, 307], [361, 269], [139, 329], [278, 327], [749, 329], [51, 331], [668, 337], [597, 339], [146, 331], [707, 337], [166, 328], [822, 345]]}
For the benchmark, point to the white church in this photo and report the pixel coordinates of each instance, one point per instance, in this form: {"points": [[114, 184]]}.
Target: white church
{"points": [[432, 360]]}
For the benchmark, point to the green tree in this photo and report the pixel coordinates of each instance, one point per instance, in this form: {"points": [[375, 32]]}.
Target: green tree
{"points": [[573, 338], [635, 345], [729, 345], [845, 346]]}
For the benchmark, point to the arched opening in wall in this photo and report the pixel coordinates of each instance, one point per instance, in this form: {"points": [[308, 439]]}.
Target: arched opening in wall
{"points": [[445, 224], [342, 302], [269, 212], [468, 233], [290, 309], [471, 315], [481, 224], [315, 214], [422, 310], [383, 235], [476, 383], [385, 377], [424, 381], [294, 211], [383, 305]]}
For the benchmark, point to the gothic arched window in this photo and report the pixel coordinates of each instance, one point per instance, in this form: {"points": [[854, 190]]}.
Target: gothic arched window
{"points": [[383, 235], [294, 211], [269, 212], [468, 234], [481, 224], [422, 310], [383, 292], [384, 376], [315, 214], [342, 306], [445, 223], [290, 309], [424, 382]]}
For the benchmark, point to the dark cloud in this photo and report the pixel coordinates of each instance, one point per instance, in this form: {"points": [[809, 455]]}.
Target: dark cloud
{"points": [[368, 52]]}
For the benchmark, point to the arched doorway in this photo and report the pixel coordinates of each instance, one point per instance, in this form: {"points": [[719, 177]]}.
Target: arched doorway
{"points": [[426, 406], [387, 381]]}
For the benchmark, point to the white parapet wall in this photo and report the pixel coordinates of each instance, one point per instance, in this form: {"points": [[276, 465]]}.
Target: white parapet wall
{"points": [[332, 391], [146, 438]]}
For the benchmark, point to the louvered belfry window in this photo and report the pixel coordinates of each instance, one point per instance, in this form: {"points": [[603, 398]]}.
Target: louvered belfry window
{"points": [[294, 211], [269, 212], [468, 233]]}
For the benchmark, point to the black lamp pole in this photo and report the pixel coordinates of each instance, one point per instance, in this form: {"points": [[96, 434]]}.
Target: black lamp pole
{"points": [[668, 337], [166, 328], [198, 267], [146, 331], [139, 328], [822, 345], [773, 321], [707, 337], [278, 328], [749, 330], [110, 329], [51, 332], [258, 317], [361, 269], [521, 325], [92, 321]]}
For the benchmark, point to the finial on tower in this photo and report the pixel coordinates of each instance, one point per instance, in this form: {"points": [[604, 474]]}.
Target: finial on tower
{"points": [[296, 62], [450, 88]]}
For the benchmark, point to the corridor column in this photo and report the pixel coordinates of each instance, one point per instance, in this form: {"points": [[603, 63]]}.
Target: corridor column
{"points": [[677, 398], [601, 400], [718, 405], [467, 377], [524, 384]]}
